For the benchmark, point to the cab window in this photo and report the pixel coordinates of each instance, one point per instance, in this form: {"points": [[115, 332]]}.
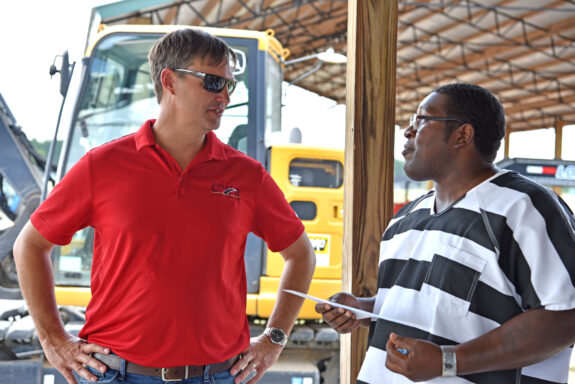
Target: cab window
{"points": [[317, 173]]}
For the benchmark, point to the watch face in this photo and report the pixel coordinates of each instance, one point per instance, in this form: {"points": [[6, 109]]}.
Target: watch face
{"points": [[277, 335]]}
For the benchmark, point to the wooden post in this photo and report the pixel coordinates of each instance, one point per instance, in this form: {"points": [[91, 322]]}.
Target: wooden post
{"points": [[506, 144], [559, 139], [558, 148], [368, 180]]}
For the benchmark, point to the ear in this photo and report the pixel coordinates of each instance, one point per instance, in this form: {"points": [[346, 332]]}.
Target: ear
{"points": [[168, 79], [463, 135]]}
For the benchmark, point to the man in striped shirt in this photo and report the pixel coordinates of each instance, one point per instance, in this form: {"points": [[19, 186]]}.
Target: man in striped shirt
{"points": [[476, 280]]}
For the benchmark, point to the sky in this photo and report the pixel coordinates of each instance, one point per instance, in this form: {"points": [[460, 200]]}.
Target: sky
{"points": [[33, 33]]}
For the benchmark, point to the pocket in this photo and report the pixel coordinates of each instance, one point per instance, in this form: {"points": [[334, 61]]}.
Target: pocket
{"points": [[111, 376], [452, 278]]}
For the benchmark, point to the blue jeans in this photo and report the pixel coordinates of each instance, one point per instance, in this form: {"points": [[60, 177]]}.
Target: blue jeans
{"points": [[112, 376]]}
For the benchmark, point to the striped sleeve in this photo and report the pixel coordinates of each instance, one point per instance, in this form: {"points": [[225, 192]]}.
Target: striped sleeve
{"points": [[537, 252]]}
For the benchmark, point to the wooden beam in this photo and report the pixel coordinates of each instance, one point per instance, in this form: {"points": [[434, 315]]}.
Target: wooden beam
{"points": [[468, 63], [170, 16], [529, 105], [368, 179]]}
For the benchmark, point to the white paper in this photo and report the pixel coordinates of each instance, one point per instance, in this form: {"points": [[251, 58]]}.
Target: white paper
{"points": [[359, 314]]}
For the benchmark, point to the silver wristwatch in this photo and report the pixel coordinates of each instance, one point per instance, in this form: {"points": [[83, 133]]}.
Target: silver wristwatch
{"points": [[276, 336], [449, 368]]}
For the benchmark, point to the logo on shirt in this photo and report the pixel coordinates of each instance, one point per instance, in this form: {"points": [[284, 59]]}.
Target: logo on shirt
{"points": [[226, 190]]}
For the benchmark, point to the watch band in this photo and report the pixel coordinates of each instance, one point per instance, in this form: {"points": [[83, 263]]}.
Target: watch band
{"points": [[449, 367]]}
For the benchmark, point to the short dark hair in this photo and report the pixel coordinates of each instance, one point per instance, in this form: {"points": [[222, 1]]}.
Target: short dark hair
{"points": [[479, 107], [179, 48]]}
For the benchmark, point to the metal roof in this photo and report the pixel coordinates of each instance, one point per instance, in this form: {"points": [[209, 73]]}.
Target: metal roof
{"points": [[521, 50]]}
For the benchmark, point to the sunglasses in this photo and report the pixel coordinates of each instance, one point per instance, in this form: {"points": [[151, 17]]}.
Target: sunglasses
{"points": [[211, 83]]}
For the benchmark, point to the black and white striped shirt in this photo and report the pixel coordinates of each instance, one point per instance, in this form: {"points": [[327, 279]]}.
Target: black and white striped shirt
{"points": [[506, 247]]}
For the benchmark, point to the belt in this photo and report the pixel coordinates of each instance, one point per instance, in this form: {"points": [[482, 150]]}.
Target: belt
{"points": [[167, 374]]}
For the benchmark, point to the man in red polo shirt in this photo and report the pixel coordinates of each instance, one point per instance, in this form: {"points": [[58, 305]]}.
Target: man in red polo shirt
{"points": [[171, 207]]}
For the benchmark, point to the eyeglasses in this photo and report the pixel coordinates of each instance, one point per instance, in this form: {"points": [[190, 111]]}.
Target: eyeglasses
{"points": [[416, 119], [212, 83]]}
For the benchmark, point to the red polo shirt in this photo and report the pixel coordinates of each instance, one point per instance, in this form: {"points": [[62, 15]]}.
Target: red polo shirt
{"points": [[168, 277]]}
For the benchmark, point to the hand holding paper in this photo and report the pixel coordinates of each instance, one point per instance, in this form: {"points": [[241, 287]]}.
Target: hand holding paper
{"points": [[359, 314]]}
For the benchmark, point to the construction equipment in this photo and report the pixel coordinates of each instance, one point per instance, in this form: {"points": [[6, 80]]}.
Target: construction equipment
{"points": [[20, 175], [557, 174], [111, 95]]}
